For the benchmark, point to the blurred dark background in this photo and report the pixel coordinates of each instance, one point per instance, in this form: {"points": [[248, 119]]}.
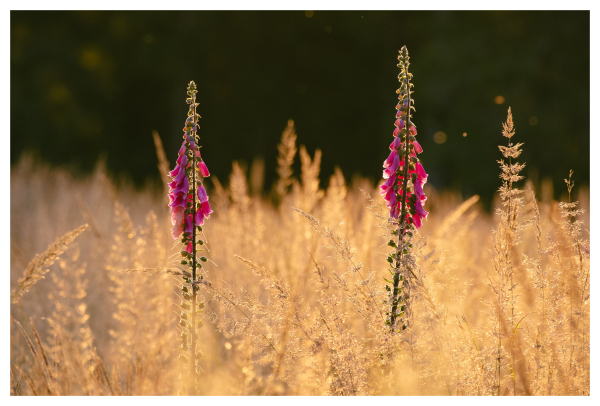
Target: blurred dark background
{"points": [[90, 84]]}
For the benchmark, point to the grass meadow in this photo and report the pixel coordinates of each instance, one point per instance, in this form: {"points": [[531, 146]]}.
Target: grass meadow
{"points": [[294, 298]]}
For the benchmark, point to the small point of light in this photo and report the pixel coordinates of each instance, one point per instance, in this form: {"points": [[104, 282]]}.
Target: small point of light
{"points": [[58, 93], [440, 137], [309, 13], [90, 58], [328, 29], [499, 100], [533, 120], [464, 134], [228, 346]]}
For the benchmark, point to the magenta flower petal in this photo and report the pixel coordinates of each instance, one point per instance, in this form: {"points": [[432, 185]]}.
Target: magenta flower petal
{"points": [[183, 187], [202, 194], [418, 147], [180, 175], [395, 144], [386, 185], [189, 227], [413, 130], [199, 218], [388, 196], [390, 159], [177, 221], [206, 209], [391, 170], [419, 209], [175, 232], [176, 215], [177, 200], [421, 172], [393, 199], [419, 191], [203, 169], [417, 220], [182, 161]]}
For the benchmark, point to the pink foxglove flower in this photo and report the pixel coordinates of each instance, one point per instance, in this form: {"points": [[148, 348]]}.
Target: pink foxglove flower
{"points": [[189, 207], [403, 193], [179, 196]]}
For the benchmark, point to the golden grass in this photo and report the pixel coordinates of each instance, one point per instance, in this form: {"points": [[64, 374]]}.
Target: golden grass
{"points": [[294, 303]]}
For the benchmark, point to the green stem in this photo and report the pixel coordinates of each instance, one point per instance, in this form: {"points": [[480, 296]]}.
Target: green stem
{"points": [[194, 261], [399, 246]]}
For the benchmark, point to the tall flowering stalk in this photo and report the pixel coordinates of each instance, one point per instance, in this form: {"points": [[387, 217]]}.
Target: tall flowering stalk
{"points": [[189, 207], [403, 192], [506, 239]]}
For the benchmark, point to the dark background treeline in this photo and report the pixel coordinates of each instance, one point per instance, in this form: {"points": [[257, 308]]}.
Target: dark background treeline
{"points": [[84, 84]]}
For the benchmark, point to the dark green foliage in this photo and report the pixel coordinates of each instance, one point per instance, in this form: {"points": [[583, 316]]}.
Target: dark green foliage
{"points": [[91, 76]]}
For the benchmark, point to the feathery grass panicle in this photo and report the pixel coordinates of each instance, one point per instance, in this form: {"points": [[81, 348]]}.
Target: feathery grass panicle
{"points": [[37, 267], [504, 314], [311, 193], [238, 187], [163, 162], [285, 159]]}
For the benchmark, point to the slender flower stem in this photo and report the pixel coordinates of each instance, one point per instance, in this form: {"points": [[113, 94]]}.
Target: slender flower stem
{"points": [[194, 260], [405, 200], [406, 160], [399, 246], [189, 207]]}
